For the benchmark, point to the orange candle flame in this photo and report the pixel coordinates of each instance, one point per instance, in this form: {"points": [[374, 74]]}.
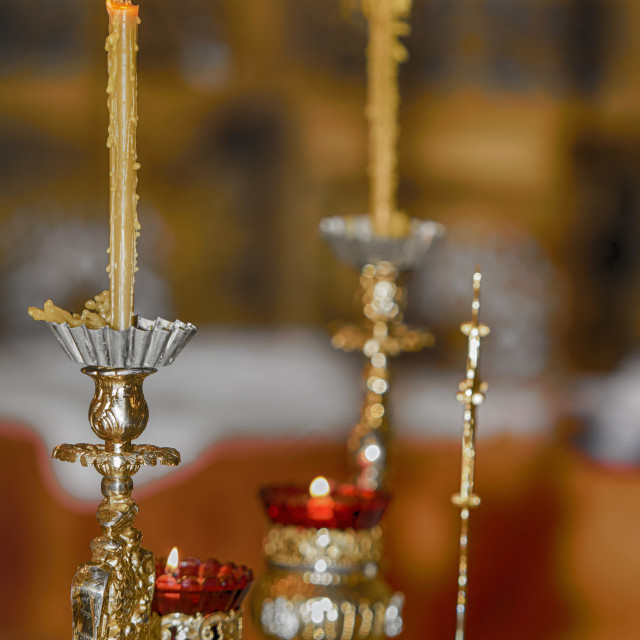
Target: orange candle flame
{"points": [[172, 561]]}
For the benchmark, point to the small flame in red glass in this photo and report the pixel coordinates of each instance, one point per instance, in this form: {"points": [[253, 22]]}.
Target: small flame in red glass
{"points": [[319, 487], [172, 562]]}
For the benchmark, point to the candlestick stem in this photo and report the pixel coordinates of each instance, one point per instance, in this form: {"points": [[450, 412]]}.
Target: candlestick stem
{"points": [[382, 336], [471, 393], [384, 53], [122, 47], [111, 595]]}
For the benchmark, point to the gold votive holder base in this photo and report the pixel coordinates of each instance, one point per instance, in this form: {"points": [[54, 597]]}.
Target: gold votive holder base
{"points": [[324, 584], [219, 625]]}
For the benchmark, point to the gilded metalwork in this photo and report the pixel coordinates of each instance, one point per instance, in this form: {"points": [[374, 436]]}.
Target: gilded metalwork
{"points": [[324, 584], [324, 549], [111, 595], [384, 53], [471, 393], [382, 335], [220, 625]]}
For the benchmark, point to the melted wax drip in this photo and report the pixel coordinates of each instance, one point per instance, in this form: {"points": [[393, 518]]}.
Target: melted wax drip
{"points": [[95, 314], [115, 306]]}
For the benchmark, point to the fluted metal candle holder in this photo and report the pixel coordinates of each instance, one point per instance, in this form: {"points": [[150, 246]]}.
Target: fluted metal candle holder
{"points": [[111, 594], [324, 584]]}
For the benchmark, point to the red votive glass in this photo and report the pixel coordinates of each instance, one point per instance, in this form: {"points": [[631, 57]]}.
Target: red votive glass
{"points": [[199, 587], [345, 506]]}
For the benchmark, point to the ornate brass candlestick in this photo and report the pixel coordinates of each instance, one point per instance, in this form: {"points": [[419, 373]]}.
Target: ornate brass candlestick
{"points": [[381, 245], [471, 394], [111, 594], [382, 261]]}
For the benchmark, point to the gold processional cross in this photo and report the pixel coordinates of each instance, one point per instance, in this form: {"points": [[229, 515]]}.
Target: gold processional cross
{"points": [[471, 394]]}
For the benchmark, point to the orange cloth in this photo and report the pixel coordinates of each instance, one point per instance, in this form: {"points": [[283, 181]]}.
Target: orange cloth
{"points": [[538, 541]]}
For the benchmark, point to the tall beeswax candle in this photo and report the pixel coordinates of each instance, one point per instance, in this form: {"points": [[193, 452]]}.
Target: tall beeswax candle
{"points": [[122, 47], [384, 53]]}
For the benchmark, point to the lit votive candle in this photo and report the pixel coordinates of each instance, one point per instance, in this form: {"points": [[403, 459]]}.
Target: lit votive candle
{"points": [[190, 586], [324, 504], [320, 506]]}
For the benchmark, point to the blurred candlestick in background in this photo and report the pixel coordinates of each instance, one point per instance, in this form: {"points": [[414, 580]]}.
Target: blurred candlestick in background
{"points": [[122, 47]]}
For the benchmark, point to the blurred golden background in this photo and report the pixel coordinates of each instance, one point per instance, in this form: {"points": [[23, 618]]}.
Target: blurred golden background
{"points": [[520, 132], [516, 118]]}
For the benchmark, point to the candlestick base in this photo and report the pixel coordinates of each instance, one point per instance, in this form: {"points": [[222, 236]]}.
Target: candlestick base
{"points": [[220, 625], [324, 584]]}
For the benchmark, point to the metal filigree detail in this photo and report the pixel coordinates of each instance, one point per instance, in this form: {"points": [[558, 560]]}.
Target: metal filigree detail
{"points": [[324, 584], [332, 618], [329, 549], [220, 625], [95, 454], [471, 392], [382, 335], [111, 595]]}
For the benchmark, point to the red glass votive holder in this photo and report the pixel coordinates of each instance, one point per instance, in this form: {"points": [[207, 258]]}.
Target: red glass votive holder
{"points": [[200, 587], [345, 506]]}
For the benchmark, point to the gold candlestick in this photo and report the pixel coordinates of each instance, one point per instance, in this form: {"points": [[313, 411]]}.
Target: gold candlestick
{"points": [[111, 595], [122, 47], [471, 394], [384, 53], [383, 334]]}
